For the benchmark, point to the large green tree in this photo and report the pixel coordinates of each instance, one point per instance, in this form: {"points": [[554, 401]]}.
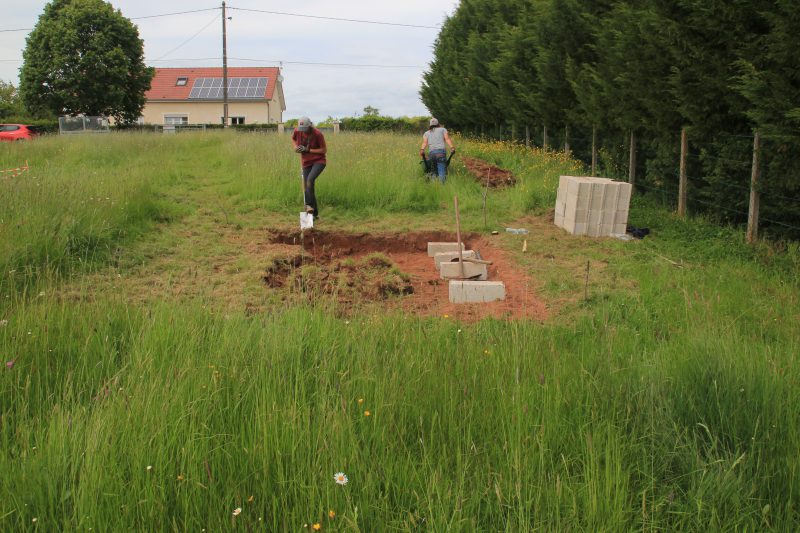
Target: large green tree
{"points": [[84, 57]]}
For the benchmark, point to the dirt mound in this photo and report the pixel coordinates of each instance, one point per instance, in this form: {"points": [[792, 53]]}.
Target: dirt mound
{"points": [[392, 270], [487, 173]]}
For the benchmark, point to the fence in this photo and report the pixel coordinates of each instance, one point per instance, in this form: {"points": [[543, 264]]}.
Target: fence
{"points": [[81, 125], [738, 166]]}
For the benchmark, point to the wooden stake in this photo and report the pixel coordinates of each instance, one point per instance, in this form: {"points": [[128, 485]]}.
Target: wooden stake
{"points": [[683, 179], [755, 197], [527, 137], [594, 151], [458, 238], [544, 139], [566, 140], [586, 285], [632, 160]]}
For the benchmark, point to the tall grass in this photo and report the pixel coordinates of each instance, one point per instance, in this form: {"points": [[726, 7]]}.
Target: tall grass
{"points": [[671, 405]]}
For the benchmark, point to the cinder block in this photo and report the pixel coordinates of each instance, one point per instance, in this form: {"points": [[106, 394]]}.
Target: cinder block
{"points": [[440, 247], [463, 292], [621, 217], [594, 217], [452, 270], [558, 220], [449, 256], [620, 229]]}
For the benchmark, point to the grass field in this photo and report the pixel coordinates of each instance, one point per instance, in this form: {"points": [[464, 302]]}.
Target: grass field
{"points": [[140, 391]]}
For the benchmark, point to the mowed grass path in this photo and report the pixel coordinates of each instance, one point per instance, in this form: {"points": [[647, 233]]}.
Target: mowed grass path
{"points": [[666, 400]]}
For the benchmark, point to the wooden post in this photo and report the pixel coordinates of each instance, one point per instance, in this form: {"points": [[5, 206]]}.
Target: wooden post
{"points": [[594, 151], [755, 199], [527, 137], [632, 160], [544, 139], [458, 238], [514, 132], [683, 179], [566, 140]]}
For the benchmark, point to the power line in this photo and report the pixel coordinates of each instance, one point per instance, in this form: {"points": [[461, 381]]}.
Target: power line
{"points": [[338, 19], [212, 21], [136, 18], [315, 63], [175, 13]]}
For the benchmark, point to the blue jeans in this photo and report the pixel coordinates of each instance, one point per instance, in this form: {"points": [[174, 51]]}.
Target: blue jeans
{"points": [[310, 175], [439, 160]]}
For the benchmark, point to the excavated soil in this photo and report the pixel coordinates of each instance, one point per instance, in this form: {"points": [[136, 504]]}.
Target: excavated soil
{"points": [[394, 270], [486, 173]]}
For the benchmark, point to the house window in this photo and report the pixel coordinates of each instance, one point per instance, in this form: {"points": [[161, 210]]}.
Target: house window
{"points": [[235, 121], [181, 81], [176, 119]]}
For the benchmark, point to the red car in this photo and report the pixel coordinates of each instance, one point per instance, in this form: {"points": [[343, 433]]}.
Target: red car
{"points": [[17, 132]]}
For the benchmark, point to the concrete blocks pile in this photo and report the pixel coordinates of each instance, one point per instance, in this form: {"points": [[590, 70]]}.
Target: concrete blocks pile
{"points": [[597, 207], [461, 291]]}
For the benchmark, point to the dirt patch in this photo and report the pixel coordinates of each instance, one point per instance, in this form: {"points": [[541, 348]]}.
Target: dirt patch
{"points": [[487, 173], [395, 270], [350, 281]]}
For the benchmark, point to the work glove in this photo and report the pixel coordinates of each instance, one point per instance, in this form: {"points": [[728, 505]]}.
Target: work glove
{"points": [[422, 153], [452, 150]]}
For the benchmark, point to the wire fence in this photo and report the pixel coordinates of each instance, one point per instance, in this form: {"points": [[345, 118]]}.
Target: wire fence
{"points": [[721, 164]]}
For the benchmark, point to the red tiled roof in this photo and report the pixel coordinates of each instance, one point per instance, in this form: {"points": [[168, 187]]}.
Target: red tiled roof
{"points": [[163, 86]]}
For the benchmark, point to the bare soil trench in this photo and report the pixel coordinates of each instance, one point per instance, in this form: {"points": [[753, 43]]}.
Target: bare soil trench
{"points": [[393, 269]]}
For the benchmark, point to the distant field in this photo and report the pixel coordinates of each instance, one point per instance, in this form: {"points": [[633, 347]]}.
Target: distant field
{"points": [[169, 364]]}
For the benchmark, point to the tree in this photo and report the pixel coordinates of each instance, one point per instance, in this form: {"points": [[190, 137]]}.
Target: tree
{"points": [[10, 103], [370, 111], [83, 57]]}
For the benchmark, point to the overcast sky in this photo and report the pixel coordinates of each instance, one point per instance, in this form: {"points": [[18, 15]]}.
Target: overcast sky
{"points": [[318, 91]]}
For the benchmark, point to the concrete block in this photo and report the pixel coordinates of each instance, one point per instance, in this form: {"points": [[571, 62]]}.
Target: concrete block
{"points": [[620, 229], [452, 270], [463, 292], [594, 217], [445, 257], [440, 247], [621, 217]]}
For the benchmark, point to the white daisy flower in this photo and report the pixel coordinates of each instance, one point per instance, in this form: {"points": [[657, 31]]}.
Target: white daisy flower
{"points": [[340, 478], [237, 511]]}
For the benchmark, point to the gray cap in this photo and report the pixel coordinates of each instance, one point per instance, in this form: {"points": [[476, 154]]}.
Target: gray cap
{"points": [[434, 122], [304, 124]]}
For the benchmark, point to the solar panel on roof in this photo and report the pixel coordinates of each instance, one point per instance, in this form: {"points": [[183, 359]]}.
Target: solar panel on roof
{"points": [[211, 88]]}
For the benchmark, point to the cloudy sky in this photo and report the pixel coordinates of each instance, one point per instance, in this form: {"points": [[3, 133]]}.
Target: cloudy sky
{"points": [[264, 39]]}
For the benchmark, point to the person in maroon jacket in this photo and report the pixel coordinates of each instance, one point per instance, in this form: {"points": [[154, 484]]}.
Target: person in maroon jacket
{"points": [[309, 142]]}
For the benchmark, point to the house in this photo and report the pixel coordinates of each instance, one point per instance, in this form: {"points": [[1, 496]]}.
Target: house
{"points": [[194, 96]]}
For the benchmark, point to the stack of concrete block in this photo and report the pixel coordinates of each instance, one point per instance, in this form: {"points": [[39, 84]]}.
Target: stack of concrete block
{"points": [[597, 207], [473, 290]]}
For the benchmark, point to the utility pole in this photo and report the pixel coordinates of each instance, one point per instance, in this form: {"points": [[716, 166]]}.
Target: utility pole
{"points": [[224, 68]]}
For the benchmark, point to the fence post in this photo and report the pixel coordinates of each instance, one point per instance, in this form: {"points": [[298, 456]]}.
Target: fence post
{"points": [[632, 160], [527, 137], [594, 151], [544, 138], [755, 199], [683, 179], [566, 140], [514, 132]]}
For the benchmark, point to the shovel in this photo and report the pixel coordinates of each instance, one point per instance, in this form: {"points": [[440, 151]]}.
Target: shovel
{"points": [[306, 218]]}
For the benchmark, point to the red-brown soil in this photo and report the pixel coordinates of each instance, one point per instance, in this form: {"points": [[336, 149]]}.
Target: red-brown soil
{"points": [[336, 255], [487, 173]]}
